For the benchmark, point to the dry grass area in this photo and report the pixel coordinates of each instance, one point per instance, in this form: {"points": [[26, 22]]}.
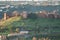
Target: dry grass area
{"points": [[9, 21]]}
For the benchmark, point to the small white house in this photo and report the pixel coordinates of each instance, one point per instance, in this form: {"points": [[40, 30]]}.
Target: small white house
{"points": [[24, 32]]}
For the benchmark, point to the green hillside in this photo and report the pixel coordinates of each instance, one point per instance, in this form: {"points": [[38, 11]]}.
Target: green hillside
{"points": [[37, 25]]}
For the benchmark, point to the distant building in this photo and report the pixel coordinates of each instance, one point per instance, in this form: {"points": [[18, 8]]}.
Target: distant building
{"points": [[42, 14], [15, 13], [5, 16], [7, 6], [34, 38], [3, 37], [58, 16], [51, 16], [24, 14]]}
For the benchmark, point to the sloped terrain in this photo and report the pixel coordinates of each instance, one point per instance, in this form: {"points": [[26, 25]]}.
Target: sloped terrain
{"points": [[39, 25]]}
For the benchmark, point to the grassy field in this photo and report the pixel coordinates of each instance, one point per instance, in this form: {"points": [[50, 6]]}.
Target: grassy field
{"points": [[39, 24]]}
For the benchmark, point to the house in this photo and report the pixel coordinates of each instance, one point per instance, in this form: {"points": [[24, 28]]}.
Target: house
{"points": [[53, 14], [15, 13], [2, 37], [24, 14], [42, 14], [5, 16]]}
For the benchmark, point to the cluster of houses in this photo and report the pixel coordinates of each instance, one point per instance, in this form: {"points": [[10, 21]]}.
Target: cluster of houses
{"points": [[15, 14], [41, 14], [45, 14]]}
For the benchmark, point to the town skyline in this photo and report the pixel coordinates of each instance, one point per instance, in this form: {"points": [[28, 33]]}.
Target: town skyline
{"points": [[30, 0]]}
